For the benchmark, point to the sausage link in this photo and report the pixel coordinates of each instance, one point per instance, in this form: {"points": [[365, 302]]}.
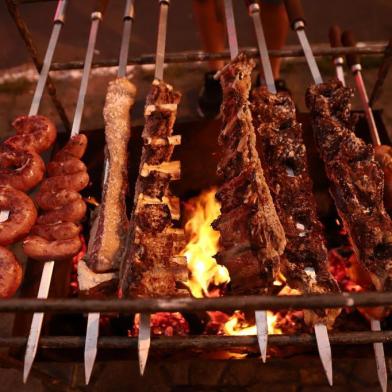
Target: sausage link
{"points": [[22, 215], [10, 273], [23, 170], [33, 133], [57, 231], [39, 248]]}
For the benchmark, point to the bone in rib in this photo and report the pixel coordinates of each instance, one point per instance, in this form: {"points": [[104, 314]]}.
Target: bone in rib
{"points": [[356, 180], [252, 238], [283, 157], [151, 266]]}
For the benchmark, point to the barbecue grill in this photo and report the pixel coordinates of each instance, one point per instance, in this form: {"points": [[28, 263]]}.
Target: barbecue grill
{"points": [[70, 310]]}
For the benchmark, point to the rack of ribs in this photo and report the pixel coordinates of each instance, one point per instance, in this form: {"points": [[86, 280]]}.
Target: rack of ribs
{"points": [[304, 263], [152, 266], [252, 238], [356, 181]]}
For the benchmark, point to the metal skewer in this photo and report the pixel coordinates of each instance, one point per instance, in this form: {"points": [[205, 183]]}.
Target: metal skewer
{"points": [[43, 291], [254, 12], [144, 339], [161, 40], [92, 332], [355, 66], [297, 21], [260, 316], [354, 63], [36, 325], [58, 21]]}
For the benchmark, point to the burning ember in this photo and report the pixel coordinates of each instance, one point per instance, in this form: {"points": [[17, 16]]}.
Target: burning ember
{"points": [[164, 324]]}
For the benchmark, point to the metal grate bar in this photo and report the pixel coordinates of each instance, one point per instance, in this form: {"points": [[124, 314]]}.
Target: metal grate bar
{"points": [[152, 305], [208, 342]]}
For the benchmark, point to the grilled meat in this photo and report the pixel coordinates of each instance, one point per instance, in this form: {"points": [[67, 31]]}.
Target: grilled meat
{"points": [[60, 205], [150, 267], [283, 157], [356, 180], [107, 244], [252, 237]]}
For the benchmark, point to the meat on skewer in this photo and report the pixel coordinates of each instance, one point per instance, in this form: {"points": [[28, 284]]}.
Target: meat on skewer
{"points": [[10, 273], [252, 238], [304, 263], [56, 233], [356, 181], [107, 236], [151, 267], [21, 169]]}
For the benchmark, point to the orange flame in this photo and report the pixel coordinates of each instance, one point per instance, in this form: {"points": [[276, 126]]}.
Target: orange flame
{"points": [[237, 325], [203, 245], [205, 273]]}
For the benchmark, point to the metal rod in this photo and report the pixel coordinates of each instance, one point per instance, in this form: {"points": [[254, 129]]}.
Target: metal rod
{"points": [[58, 24], [303, 39], [27, 38], [144, 341], [368, 111], [339, 70], [92, 332], [231, 30], [161, 40], [260, 315], [153, 305], [377, 48], [90, 348], [211, 342], [46, 277], [96, 18], [36, 323], [254, 12], [126, 35], [380, 357], [324, 349]]}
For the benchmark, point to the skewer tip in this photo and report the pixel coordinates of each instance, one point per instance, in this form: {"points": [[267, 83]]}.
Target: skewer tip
{"points": [[144, 341], [324, 349], [26, 369], [90, 348], [262, 333], [89, 360], [382, 373]]}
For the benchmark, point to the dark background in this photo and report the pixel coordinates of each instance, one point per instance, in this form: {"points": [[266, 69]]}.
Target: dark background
{"points": [[370, 20]]}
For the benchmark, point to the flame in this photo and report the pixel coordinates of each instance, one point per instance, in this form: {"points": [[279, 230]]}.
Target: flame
{"points": [[203, 245], [205, 273], [238, 326]]}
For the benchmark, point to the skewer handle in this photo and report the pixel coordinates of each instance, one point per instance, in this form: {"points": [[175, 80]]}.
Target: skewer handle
{"points": [[253, 7], [353, 60], [129, 10], [295, 13], [59, 16]]}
